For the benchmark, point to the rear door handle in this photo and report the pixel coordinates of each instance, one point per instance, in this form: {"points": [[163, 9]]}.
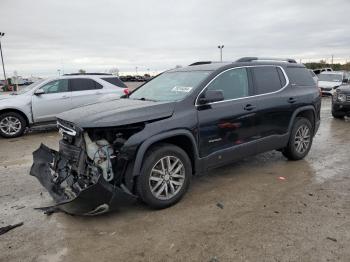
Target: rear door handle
{"points": [[65, 97], [249, 107], [292, 100]]}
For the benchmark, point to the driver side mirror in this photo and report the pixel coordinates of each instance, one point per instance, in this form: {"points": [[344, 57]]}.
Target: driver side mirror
{"points": [[39, 92], [211, 96]]}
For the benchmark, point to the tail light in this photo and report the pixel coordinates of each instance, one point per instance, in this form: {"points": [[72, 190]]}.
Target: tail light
{"points": [[126, 91]]}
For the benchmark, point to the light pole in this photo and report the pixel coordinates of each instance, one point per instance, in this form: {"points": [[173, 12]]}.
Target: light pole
{"points": [[221, 47], [2, 58]]}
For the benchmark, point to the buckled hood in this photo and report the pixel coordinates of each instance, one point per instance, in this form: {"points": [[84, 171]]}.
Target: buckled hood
{"points": [[118, 112]]}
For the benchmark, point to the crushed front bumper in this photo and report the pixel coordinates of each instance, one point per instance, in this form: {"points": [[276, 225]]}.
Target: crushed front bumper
{"points": [[84, 194]]}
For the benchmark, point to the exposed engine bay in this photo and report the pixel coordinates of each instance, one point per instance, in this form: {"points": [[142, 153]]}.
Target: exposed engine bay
{"points": [[86, 175]]}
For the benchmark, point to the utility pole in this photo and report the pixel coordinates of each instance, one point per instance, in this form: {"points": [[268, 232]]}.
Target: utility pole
{"points": [[2, 58], [220, 47], [332, 59]]}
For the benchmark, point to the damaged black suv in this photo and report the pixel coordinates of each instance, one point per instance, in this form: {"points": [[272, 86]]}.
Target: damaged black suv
{"points": [[186, 121]]}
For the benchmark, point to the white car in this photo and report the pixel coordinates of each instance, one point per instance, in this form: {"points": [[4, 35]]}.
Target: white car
{"points": [[40, 102], [328, 82]]}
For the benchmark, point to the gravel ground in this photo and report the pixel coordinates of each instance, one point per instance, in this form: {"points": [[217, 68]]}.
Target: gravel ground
{"points": [[242, 212]]}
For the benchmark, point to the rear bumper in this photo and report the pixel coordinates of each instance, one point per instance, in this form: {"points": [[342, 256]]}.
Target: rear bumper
{"points": [[86, 194]]}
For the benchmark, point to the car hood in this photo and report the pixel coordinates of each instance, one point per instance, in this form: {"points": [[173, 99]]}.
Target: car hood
{"points": [[7, 96], [344, 89], [328, 83], [117, 112]]}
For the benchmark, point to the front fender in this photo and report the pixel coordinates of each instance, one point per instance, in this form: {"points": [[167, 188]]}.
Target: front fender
{"points": [[25, 107], [156, 138]]}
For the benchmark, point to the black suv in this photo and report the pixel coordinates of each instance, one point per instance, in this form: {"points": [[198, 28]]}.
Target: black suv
{"points": [[341, 102], [184, 122]]}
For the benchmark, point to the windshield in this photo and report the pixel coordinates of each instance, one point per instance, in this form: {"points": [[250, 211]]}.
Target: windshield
{"points": [[30, 87], [170, 86], [330, 77]]}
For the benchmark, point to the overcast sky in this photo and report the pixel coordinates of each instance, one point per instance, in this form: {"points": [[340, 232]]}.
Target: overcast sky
{"points": [[45, 35]]}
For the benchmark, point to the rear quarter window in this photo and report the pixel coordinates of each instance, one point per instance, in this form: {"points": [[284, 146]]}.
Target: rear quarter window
{"points": [[267, 79], [114, 81], [300, 76]]}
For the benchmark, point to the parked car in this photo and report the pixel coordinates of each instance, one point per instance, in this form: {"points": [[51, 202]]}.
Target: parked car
{"points": [[329, 81], [320, 70], [41, 102], [139, 78], [183, 122], [341, 102]]}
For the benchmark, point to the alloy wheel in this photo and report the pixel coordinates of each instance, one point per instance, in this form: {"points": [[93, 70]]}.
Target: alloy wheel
{"points": [[167, 177], [10, 125], [302, 139]]}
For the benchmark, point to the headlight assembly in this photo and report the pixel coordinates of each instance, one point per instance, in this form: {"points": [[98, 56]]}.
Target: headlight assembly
{"points": [[341, 97]]}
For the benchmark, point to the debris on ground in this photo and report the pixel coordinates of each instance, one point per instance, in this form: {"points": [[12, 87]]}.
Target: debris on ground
{"points": [[310, 194], [6, 229], [214, 259], [276, 212], [332, 239], [218, 204], [18, 207], [282, 178], [48, 210]]}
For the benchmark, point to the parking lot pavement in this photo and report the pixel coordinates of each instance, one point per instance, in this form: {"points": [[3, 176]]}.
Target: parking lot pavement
{"points": [[263, 208]]}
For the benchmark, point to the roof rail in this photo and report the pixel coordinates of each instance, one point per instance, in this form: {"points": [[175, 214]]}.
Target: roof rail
{"points": [[250, 59], [88, 74], [201, 63]]}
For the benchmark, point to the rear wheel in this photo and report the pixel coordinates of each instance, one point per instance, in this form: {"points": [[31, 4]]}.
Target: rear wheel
{"points": [[300, 140], [165, 176], [12, 124]]}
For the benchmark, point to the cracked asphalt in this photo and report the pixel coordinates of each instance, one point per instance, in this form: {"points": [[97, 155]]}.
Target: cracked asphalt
{"points": [[263, 208]]}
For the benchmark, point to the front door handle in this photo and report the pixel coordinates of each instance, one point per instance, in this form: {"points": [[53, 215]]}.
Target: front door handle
{"points": [[65, 97], [249, 107], [291, 100]]}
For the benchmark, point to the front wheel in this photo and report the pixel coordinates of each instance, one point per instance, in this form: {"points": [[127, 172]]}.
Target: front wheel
{"points": [[12, 125], [165, 176], [300, 140]]}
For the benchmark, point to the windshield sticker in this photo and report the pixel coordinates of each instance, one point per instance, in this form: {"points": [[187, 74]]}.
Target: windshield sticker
{"points": [[184, 89]]}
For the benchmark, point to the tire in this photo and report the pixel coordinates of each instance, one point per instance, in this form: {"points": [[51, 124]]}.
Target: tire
{"points": [[338, 115], [167, 190], [17, 122], [302, 128]]}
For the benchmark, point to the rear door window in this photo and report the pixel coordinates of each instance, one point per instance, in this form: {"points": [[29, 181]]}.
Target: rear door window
{"points": [[267, 79], [300, 76], [83, 84], [114, 81]]}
